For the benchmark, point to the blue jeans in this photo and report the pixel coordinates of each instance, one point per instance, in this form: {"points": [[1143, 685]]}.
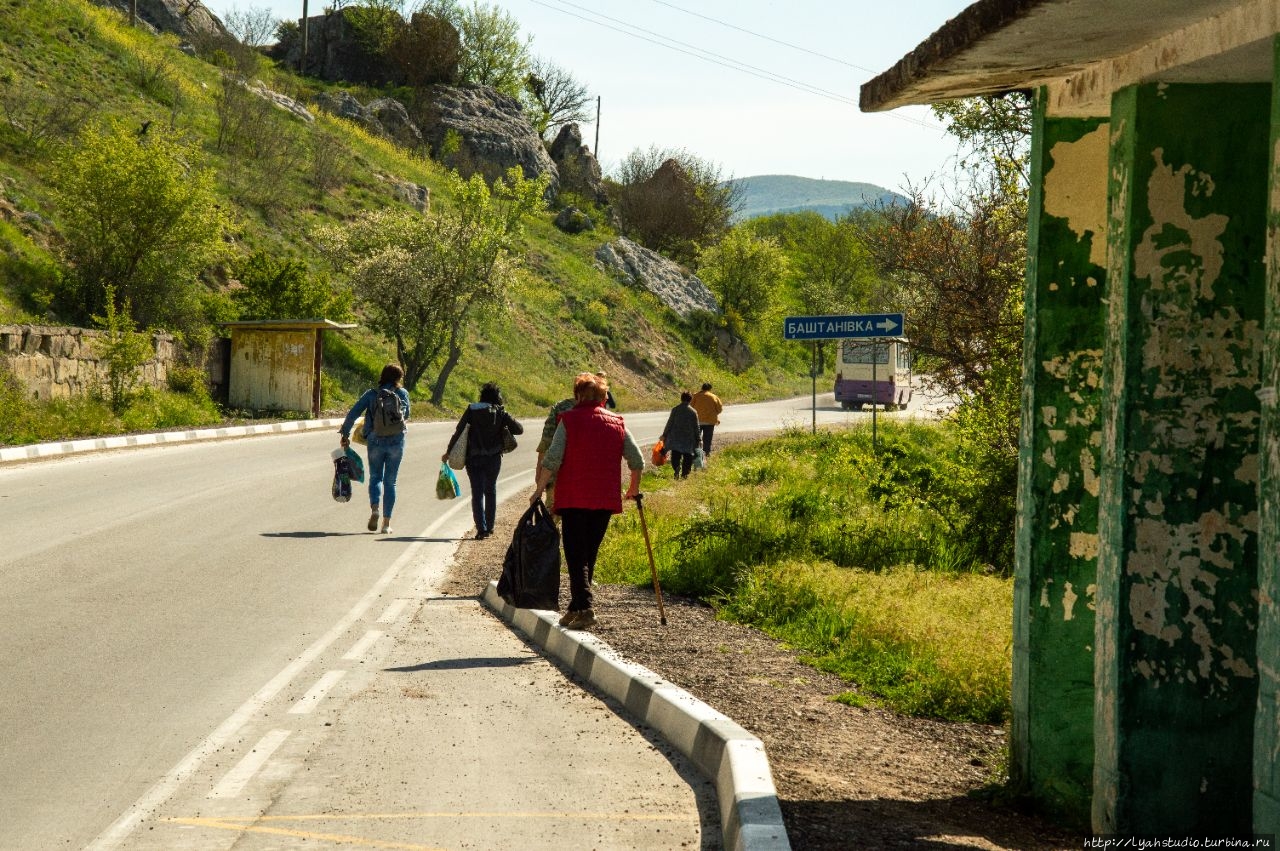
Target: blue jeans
{"points": [[482, 473], [385, 454]]}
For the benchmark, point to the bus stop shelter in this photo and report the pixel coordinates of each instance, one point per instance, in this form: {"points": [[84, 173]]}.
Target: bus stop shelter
{"points": [[275, 363], [1146, 657]]}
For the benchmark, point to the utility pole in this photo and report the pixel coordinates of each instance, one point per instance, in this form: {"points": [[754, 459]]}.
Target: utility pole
{"points": [[302, 68], [596, 149], [133, 13]]}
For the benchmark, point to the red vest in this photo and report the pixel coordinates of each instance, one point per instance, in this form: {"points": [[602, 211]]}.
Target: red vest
{"points": [[590, 475]]}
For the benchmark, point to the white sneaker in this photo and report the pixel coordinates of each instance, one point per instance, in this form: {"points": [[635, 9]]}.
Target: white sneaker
{"points": [[373, 522], [386, 525]]}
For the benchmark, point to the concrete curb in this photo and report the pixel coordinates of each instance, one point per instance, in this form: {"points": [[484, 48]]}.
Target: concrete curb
{"points": [[732, 758], [94, 444]]}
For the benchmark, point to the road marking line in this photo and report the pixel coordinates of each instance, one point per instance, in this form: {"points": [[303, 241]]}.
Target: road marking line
{"points": [[362, 646], [234, 781], [312, 698], [393, 611], [166, 786], [226, 824]]}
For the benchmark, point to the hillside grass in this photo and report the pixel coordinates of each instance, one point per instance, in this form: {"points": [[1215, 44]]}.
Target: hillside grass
{"points": [[785, 535], [563, 315]]}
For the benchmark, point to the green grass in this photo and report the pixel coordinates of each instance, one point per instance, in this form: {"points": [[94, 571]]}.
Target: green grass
{"points": [[23, 421], [786, 535]]}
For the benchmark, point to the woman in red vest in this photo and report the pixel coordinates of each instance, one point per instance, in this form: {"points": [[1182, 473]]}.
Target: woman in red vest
{"points": [[585, 458]]}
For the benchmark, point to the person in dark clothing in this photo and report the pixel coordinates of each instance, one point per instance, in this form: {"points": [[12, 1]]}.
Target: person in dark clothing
{"points": [[488, 420], [681, 435]]}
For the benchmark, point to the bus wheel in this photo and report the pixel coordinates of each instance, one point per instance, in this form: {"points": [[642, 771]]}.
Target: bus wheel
{"points": [[848, 406], [857, 406]]}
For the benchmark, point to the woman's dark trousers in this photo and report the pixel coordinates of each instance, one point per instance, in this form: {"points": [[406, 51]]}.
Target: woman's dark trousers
{"points": [[682, 463], [482, 473], [581, 531]]}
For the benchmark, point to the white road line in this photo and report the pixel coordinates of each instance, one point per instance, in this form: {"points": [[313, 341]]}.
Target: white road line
{"points": [[312, 698], [393, 611], [234, 781], [166, 786], [362, 646]]}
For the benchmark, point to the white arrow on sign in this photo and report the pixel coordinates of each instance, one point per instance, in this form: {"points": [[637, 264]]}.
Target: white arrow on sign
{"points": [[886, 325]]}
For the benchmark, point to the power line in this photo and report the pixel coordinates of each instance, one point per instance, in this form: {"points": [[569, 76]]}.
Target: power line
{"points": [[705, 55], [765, 37], [701, 53]]}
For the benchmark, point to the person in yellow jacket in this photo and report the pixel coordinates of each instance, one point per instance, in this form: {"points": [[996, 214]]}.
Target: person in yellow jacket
{"points": [[708, 406]]}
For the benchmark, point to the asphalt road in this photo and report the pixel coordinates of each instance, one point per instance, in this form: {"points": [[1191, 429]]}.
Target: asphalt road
{"points": [[154, 601]]}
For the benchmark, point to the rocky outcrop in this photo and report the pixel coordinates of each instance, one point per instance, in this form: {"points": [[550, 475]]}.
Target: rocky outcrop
{"points": [[424, 50], [476, 129], [383, 117], [284, 102], [185, 18], [636, 265], [579, 171], [391, 115]]}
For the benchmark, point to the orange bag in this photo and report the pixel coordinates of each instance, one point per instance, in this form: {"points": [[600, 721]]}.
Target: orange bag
{"points": [[659, 457]]}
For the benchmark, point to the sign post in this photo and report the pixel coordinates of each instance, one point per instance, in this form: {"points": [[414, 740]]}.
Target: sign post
{"points": [[851, 326]]}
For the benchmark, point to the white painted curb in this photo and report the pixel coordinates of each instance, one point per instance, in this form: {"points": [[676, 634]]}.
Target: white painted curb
{"points": [[94, 444], [723, 751]]}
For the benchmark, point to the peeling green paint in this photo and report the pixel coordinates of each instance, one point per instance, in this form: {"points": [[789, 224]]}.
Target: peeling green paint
{"points": [[1178, 521], [1058, 465]]}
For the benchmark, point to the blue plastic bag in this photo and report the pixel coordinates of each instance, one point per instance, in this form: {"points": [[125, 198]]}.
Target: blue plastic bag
{"points": [[447, 486]]}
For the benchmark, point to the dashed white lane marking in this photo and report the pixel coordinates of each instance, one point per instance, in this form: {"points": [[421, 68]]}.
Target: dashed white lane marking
{"points": [[362, 646], [234, 781], [312, 698], [166, 786], [393, 611]]}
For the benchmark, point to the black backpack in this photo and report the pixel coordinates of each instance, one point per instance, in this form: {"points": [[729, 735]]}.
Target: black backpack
{"points": [[388, 417]]}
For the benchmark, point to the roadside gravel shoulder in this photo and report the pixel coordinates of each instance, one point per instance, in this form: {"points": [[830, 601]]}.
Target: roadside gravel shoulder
{"points": [[846, 777]]}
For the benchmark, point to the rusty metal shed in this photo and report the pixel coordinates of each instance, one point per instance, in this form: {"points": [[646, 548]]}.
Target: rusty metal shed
{"points": [[275, 363]]}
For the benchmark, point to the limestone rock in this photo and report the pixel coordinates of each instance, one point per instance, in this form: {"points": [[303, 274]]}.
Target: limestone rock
{"points": [[636, 265], [579, 170], [491, 131], [181, 17], [284, 102], [573, 220]]}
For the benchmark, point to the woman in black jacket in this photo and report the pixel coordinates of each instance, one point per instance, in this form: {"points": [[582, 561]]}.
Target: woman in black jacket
{"points": [[488, 421]]}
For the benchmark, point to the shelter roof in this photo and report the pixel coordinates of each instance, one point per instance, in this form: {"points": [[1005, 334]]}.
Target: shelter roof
{"points": [[287, 324], [1082, 50]]}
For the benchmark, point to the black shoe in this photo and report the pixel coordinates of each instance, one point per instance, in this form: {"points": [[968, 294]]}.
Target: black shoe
{"points": [[480, 536]]}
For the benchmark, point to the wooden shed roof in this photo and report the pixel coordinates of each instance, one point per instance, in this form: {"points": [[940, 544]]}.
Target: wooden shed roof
{"points": [[288, 324]]}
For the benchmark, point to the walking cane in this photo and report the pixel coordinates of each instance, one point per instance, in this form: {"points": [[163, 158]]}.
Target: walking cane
{"points": [[657, 589]]}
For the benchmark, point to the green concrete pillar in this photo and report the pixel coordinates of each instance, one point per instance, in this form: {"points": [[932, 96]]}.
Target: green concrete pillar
{"points": [[1059, 465], [1266, 754], [1176, 671]]}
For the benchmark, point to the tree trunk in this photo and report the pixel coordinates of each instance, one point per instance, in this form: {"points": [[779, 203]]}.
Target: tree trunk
{"points": [[455, 355]]}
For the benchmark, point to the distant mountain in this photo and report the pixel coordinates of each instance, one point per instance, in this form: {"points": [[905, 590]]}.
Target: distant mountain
{"points": [[785, 193]]}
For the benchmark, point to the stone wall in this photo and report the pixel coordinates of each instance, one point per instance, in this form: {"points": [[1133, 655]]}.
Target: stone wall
{"points": [[60, 362]]}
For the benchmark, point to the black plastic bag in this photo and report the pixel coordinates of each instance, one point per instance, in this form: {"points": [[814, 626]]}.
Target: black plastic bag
{"points": [[531, 571]]}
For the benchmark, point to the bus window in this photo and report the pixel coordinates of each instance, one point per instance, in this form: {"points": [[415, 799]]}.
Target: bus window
{"points": [[858, 352]]}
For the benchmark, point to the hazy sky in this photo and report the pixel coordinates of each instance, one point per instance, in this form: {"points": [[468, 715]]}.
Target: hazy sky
{"points": [[787, 106]]}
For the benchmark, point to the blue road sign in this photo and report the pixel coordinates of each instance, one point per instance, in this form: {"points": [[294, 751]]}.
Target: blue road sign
{"points": [[842, 327]]}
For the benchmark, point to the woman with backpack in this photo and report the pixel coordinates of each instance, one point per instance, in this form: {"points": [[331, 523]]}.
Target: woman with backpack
{"points": [[386, 414], [485, 423]]}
